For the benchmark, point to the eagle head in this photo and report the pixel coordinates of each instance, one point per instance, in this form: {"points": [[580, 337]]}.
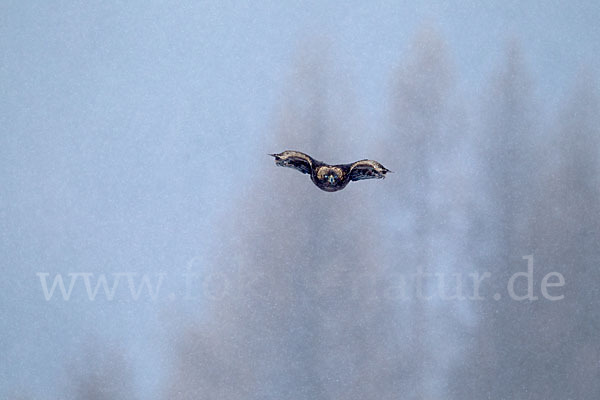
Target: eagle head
{"points": [[329, 178]]}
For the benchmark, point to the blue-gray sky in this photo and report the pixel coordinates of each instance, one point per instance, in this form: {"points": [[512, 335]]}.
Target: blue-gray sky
{"points": [[112, 112]]}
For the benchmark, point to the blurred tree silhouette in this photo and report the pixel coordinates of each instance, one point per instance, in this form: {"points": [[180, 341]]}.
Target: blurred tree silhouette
{"points": [[427, 135], [541, 194], [102, 373], [500, 232], [566, 233]]}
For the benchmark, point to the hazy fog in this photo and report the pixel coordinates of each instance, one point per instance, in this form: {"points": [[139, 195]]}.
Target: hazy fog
{"points": [[152, 250]]}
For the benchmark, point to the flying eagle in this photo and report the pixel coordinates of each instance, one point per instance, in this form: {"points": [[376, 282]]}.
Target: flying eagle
{"points": [[330, 178]]}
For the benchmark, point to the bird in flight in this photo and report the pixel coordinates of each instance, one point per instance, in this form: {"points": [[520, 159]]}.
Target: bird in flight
{"points": [[330, 178]]}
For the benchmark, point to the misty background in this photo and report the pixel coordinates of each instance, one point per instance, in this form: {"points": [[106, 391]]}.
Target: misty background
{"points": [[134, 140]]}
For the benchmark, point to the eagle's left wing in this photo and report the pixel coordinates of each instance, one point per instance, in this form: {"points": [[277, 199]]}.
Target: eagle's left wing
{"points": [[367, 169]]}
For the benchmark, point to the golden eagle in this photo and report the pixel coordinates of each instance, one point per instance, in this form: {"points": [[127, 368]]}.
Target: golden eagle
{"points": [[330, 178]]}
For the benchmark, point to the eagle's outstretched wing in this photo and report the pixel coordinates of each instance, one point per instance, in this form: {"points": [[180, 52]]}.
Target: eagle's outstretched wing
{"points": [[294, 159], [367, 169]]}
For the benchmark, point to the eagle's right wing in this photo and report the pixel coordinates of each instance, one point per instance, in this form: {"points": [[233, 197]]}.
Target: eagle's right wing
{"points": [[294, 159]]}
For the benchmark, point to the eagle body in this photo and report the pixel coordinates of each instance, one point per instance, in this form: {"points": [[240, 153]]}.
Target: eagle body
{"points": [[330, 178]]}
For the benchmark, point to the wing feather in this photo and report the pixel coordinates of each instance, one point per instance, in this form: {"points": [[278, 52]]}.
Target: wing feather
{"points": [[295, 159], [367, 169]]}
